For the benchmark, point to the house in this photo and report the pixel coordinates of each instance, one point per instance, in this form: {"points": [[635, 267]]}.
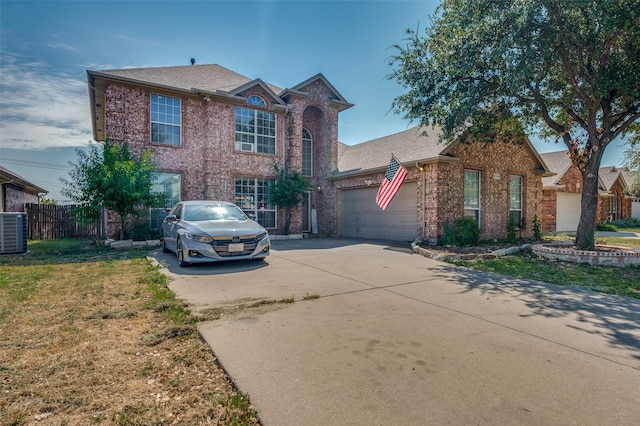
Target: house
{"points": [[492, 183], [215, 134], [562, 194], [16, 191]]}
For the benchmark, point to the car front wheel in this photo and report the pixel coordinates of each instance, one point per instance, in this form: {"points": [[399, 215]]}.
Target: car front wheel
{"points": [[180, 251]]}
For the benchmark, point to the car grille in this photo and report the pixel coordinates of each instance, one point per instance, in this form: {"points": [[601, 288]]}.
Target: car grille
{"points": [[221, 245]]}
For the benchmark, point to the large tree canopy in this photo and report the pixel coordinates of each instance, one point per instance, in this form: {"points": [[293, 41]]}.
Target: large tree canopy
{"points": [[568, 68], [111, 178]]}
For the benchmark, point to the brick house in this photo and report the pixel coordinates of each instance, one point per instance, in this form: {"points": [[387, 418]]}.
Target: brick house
{"points": [[216, 134], [488, 182], [562, 193], [16, 192]]}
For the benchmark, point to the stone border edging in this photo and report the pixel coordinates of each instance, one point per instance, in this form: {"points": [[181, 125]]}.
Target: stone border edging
{"points": [[620, 258], [445, 257]]}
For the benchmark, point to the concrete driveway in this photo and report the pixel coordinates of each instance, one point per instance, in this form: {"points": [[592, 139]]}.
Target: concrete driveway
{"points": [[398, 339]]}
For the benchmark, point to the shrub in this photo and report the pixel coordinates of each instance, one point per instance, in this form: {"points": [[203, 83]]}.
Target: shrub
{"points": [[466, 231], [537, 230], [447, 239], [626, 223], [605, 226], [511, 232]]}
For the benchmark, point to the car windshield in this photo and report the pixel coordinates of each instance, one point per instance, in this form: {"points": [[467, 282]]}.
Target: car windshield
{"points": [[196, 213]]}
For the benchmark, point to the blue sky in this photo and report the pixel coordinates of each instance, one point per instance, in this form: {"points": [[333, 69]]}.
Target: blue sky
{"points": [[47, 46]]}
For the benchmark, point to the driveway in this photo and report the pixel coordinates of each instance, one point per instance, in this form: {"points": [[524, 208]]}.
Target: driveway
{"points": [[394, 338]]}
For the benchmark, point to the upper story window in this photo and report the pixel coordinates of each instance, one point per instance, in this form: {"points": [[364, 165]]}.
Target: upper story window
{"points": [[307, 153], [515, 200], [255, 128], [472, 194], [165, 119]]}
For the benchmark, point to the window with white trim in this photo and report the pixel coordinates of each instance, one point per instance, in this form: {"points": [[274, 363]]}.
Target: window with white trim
{"points": [[515, 200], [255, 128], [251, 195], [472, 194], [307, 153], [165, 119]]}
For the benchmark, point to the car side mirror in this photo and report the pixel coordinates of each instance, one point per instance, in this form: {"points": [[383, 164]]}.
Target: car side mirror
{"points": [[251, 216], [171, 218]]}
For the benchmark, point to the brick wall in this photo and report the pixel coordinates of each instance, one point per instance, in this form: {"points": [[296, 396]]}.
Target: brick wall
{"points": [[15, 198], [440, 199], [207, 159]]}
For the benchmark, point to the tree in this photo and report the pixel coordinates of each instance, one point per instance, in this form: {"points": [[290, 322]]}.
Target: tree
{"points": [[111, 179], [563, 68], [287, 192]]}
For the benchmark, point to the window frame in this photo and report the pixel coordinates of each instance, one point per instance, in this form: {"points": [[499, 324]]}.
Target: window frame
{"points": [[253, 199], [512, 207], [255, 129], [307, 154], [155, 119], [469, 209]]}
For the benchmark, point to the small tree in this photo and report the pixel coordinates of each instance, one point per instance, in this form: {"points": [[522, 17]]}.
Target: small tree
{"points": [[110, 178], [287, 192]]}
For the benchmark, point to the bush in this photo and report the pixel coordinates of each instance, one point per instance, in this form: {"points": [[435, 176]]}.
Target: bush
{"points": [[537, 229], [626, 223], [605, 226], [511, 232], [466, 231]]}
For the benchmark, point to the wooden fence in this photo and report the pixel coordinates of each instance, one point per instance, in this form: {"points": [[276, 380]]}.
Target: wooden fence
{"points": [[48, 222]]}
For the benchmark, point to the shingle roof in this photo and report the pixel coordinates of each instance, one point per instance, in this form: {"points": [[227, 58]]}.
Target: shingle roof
{"points": [[558, 162], [408, 145], [209, 77], [7, 176]]}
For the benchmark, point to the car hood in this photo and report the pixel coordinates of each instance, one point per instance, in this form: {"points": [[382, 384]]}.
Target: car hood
{"points": [[226, 227]]}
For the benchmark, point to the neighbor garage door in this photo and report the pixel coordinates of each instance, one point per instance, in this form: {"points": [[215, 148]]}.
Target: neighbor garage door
{"points": [[359, 216], [567, 212]]}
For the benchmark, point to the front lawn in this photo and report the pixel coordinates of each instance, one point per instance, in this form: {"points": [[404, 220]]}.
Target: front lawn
{"points": [[617, 281]]}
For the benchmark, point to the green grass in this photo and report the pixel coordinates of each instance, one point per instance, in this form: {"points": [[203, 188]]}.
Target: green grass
{"points": [[617, 281]]}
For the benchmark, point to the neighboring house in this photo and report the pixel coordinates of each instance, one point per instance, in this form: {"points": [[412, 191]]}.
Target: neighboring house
{"points": [[489, 182], [562, 194], [16, 191], [216, 134]]}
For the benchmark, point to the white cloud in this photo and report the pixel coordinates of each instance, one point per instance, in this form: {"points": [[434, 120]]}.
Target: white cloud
{"points": [[42, 108]]}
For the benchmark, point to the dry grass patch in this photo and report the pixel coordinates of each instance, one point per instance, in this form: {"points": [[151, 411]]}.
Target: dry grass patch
{"points": [[105, 342]]}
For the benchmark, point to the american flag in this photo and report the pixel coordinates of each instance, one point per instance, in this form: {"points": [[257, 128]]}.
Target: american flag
{"points": [[393, 178]]}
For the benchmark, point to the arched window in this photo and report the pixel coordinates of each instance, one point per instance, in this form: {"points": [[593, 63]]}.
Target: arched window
{"points": [[307, 153], [256, 100]]}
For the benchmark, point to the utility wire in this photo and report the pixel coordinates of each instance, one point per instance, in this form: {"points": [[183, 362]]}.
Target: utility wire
{"points": [[40, 164]]}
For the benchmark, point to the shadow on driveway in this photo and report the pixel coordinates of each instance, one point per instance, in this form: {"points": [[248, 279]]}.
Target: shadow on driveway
{"points": [[615, 318]]}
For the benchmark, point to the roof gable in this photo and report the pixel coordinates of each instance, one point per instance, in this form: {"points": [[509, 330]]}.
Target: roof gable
{"points": [[299, 89], [7, 176]]}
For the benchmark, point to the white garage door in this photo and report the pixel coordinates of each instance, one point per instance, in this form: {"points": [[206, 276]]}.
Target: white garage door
{"points": [[568, 212], [635, 209], [360, 217]]}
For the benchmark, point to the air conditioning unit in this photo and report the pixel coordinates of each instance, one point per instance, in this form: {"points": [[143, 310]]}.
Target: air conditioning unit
{"points": [[13, 233]]}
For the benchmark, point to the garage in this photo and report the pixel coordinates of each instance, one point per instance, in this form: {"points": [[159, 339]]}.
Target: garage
{"points": [[568, 212], [360, 217]]}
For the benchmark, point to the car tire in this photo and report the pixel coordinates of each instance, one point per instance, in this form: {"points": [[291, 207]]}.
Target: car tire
{"points": [[165, 249], [180, 252]]}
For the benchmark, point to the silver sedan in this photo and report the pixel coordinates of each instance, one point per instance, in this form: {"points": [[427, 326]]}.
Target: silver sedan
{"points": [[212, 231]]}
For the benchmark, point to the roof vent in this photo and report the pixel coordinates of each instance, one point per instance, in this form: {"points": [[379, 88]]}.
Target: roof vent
{"points": [[193, 61]]}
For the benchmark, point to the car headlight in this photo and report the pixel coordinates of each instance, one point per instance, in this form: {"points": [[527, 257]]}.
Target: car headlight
{"points": [[201, 238], [260, 237]]}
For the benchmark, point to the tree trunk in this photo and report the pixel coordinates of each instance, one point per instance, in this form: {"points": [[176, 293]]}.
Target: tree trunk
{"points": [[585, 235], [123, 219]]}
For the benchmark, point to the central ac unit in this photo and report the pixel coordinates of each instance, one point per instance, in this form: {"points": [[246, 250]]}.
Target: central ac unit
{"points": [[13, 233]]}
